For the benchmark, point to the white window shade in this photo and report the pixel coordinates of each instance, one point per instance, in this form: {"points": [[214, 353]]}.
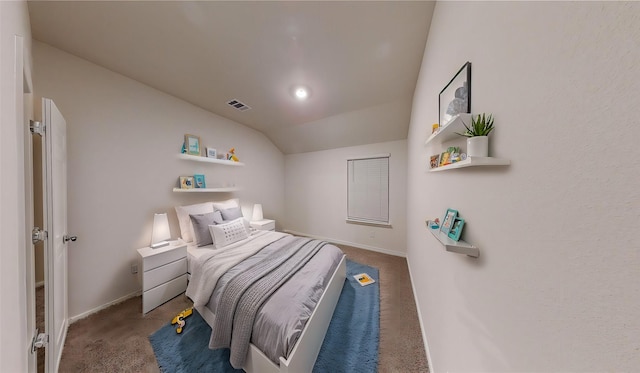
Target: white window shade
{"points": [[368, 190]]}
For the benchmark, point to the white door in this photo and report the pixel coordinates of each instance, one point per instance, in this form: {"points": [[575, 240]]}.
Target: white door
{"points": [[55, 223]]}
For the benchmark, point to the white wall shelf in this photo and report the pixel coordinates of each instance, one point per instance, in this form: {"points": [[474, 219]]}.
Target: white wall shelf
{"points": [[448, 131], [460, 247], [208, 160], [472, 162], [207, 190]]}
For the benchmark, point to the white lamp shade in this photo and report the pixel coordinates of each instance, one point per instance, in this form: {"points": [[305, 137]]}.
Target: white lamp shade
{"points": [[257, 212], [160, 231]]}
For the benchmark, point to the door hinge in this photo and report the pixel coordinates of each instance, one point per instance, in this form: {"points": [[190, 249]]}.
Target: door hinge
{"points": [[39, 340], [38, 235], [37, 127]]}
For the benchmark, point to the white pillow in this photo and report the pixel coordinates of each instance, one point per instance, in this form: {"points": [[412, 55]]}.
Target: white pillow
{"points": [[228, 233], [223, 205], [183, 212]]}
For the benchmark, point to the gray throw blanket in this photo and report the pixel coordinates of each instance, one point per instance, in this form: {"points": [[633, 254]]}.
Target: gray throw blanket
{"points": [[245, 293]]}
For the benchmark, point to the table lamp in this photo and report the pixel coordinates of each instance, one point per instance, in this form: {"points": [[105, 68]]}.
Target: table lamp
{"points": [[257, 212], [160, 232]]}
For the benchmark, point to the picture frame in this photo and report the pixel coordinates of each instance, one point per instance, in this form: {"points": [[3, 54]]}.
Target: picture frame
{"points": [[199, 181], [456, 229], [445, 159], [186, 182], [434, 161], [447, 221], [192, 144], [212, 153], [455, 97]]}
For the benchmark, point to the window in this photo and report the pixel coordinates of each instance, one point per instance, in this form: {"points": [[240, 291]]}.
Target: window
{"points": [[368, 190]]}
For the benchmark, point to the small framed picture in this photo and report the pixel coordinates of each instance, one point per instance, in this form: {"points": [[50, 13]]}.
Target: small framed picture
{"points": [[434, 161], [211, 153], [186, 182], [447, 222], [456, 229], [198, 181], [445, 158], [192, 144]]}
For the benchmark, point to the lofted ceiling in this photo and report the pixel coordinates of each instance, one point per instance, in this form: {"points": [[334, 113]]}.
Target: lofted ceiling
{"points": [[360, 59]]}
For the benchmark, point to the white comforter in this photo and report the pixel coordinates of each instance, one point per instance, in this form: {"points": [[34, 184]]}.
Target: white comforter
{"points": [[219, 261]]}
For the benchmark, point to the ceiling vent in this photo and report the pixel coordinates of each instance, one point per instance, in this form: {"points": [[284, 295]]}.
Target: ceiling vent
{"points": [[238, 105]]}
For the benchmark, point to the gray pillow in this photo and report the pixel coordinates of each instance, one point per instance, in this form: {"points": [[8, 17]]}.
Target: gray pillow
{"points": [[231, 213], [201, 223]]}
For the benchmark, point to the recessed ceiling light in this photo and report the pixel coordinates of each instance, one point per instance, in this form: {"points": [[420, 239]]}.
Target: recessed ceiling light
{"points": [[301, 93]]}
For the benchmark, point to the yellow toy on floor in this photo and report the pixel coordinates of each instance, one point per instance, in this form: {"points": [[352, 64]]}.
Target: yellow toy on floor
{"points": [[179, 319]]}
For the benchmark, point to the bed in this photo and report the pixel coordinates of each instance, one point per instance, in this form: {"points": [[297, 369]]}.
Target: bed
{"points": [[287, 330]]}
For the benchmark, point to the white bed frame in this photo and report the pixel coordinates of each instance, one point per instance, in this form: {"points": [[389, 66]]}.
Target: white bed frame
{"points": [[305, 352]]}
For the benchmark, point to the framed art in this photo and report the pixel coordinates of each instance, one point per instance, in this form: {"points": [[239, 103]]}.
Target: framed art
{"points": [[186, 182], [434, 161], [192, 144], [211, 153], [448, 220], [198, 181], [455, 97], [456, 229]]}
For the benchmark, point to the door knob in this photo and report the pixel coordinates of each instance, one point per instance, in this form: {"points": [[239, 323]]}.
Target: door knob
{"points": [[68, 238]]}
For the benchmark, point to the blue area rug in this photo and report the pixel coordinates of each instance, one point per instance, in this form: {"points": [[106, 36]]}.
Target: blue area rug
{"points": [[351, 343]]}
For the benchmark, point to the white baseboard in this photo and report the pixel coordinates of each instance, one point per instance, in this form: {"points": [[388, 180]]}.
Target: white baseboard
{"points": [[360, 246], [424, 334], [100, 308]]}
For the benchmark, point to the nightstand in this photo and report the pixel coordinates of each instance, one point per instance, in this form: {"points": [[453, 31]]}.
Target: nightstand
{"points": [[164, 273], [264, 225]]}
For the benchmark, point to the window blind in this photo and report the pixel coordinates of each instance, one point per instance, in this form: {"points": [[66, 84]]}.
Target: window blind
{"points": [[368, 190]]}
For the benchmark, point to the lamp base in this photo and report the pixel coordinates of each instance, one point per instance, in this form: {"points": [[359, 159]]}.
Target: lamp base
{"points": [[159, 244]]}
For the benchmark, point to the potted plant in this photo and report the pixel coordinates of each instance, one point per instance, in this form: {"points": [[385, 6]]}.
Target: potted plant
{"points": [[477, 135]]}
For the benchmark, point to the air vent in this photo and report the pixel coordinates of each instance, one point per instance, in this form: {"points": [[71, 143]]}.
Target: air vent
{"points": [[238, 105]]}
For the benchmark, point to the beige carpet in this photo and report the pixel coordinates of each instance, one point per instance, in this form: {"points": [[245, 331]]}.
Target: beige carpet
{"points": [[115, 339]]}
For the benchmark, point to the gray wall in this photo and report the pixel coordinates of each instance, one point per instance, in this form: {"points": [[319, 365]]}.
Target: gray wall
{"points": [[123, 142], [556, 284], [316, 203]]}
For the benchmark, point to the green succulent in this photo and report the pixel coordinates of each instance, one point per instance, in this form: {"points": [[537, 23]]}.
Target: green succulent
{"points": [[480, 126]]}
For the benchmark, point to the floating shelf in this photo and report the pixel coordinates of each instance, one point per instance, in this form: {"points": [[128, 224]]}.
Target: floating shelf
{"points": [[472, 162], [460, 247], [207, 190], [208, 160], [448, 131]]}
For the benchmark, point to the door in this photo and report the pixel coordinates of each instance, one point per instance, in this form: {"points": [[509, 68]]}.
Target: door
{"points": [[55, 223]]}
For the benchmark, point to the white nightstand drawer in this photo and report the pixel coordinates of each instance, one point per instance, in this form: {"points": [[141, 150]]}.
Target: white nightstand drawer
{"points": [[163, 274], [164, 255], [264, 225], [160, 294]]}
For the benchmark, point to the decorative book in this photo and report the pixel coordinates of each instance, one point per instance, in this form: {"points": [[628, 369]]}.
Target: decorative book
{"points": [[364, 279]]}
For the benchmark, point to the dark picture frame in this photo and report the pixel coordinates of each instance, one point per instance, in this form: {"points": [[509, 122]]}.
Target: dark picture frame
{"points": [[456, 229], [455, 97], [447, 221]]}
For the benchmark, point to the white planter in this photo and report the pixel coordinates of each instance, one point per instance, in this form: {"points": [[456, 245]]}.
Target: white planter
{"points": [[478, 146]]}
